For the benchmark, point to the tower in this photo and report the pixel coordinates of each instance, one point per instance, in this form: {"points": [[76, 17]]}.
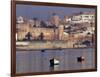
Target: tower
{"points": [[55, 19], [60, 32]]}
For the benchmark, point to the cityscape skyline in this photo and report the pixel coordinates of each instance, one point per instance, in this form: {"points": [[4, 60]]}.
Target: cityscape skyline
{"points": [[78, 24], [45, 12]]}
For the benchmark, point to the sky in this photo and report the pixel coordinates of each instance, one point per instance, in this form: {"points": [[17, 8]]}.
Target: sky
{"points": [[45, 12]]}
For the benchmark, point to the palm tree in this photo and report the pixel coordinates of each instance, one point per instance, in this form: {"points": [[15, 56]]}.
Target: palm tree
{"points": [[28, 36], [41, 36]]}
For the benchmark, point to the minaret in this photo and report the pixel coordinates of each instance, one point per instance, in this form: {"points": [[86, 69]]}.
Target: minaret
{"points": [[55, 19], [60, 32]]}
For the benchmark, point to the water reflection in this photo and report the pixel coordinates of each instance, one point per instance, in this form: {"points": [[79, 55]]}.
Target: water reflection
{"points": [[54, 68], [37, 61]]}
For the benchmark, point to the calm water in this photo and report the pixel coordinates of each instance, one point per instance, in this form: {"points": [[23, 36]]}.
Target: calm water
{"points": [[37, 61]]}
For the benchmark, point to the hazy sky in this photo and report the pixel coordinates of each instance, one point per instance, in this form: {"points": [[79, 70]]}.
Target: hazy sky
{"points": [[45, 12]]}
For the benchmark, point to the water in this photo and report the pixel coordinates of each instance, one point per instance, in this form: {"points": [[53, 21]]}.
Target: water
{"points": [[37, 61]]}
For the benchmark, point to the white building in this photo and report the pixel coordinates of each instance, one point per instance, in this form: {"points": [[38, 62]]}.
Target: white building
{"points": [[85, 17], [67, 19], [20, 20]]}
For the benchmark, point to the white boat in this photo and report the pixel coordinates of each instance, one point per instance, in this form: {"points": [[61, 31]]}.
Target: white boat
{"points": [[54, 62]]}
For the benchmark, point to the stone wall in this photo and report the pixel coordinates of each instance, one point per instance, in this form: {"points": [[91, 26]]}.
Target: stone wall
{"points": [[49, 33]]}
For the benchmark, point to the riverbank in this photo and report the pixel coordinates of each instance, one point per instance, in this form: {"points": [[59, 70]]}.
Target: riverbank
{"points": [[46, 45]]}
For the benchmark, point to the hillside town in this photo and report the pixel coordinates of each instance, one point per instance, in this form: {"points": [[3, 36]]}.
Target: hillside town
{"points": [[76, 30]]}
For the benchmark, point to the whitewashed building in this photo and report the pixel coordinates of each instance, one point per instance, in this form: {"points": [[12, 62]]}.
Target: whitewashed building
{"points": [[85, 17], [20, 20], [82, 17]]}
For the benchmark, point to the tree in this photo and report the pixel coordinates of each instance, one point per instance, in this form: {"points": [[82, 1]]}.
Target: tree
{"points": [[86, 43], [43, 24], [35, 20], [41, 36], [28, 36]]}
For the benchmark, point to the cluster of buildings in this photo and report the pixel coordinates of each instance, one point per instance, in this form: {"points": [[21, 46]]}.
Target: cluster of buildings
{"points": [[82, 17], [75, 26]]}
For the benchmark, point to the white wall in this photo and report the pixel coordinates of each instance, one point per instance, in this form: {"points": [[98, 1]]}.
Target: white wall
{"points": [[5, 28]]}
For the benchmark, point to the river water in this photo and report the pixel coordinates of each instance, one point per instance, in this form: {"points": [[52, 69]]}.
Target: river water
{"points": [[37, 61]]}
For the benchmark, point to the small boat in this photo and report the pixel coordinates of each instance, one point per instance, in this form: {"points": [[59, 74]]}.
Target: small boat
{"points": [[80, 59], [54, 62]]}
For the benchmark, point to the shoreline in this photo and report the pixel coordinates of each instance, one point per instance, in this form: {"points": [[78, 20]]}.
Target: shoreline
{"points": [[17, 49]]}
